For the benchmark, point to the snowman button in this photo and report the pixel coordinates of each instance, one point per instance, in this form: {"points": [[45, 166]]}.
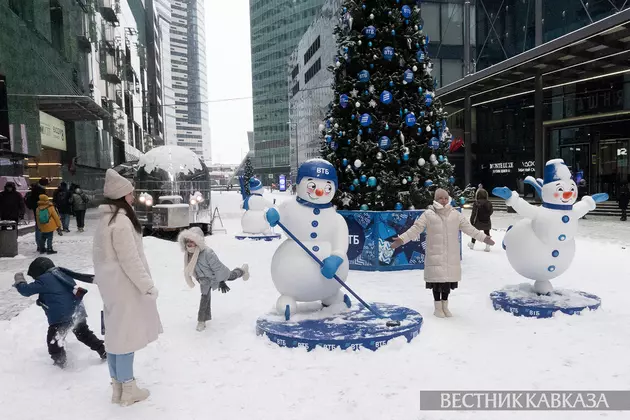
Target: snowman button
{"points": [[315, 248], [562, 237], [551, 268], [313, 235], [314, 223], [555, 253], [565, 219], [316, 211]]}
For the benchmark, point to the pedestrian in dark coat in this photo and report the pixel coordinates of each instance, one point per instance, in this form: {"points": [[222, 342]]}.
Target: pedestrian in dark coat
{"points": [[61, 199], [11, 203], [624, 199], [79, 202], [480, 217], [61, 299]]}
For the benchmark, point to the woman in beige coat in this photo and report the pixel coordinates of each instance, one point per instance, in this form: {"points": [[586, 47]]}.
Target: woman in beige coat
{"points": [[129, 295], [442, 266]]}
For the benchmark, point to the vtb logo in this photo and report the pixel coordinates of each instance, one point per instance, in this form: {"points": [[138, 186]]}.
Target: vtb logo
{"points": [[324, 171]]}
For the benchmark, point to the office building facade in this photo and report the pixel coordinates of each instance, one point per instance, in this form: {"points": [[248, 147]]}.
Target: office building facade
{"points": [[276, 28]]}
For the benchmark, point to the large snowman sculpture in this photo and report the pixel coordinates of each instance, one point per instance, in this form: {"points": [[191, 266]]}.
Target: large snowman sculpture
{"points": [[314, 222], [253, 221], [541, 246]]}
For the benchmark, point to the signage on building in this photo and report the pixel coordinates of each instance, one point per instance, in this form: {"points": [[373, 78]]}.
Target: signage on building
{"points": [[522, 167], [53, 132], [501, 167], [283, 183], [527, 166]]}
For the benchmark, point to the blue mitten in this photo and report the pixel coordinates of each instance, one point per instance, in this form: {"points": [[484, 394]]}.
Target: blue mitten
{"points": [[331, 264], [272, 216], [503, 192], [600, 198]]}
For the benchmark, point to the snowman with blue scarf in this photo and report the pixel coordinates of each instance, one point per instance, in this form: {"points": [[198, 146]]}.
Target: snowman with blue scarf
{"points": [[253, 221], [542, 245], [315, 222]]}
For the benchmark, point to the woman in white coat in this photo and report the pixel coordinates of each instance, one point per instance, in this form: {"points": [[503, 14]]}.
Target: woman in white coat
{"points": [[442, 265], [129, 295]]}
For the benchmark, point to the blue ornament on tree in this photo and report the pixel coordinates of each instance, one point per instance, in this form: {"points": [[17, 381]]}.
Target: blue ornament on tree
{"points": [[364, 207], [462, 200], [363, 6], [365, 92], [372, 181], [398, 206], [406, 157], [433, 131], [366, 120], [371, 65], [441, 158], [387, 127], [393, 32], [386, 97], [360, 132], [364, 76], [451, 180], [434, 143], [391, 83], [438, 123], [406, 11], [420, 55], [355, 181], [426, 40], [370, 44], [351, 187], [384, 143], [344, 162], [406, 21], [428, 183], [410, 120], [419, 90], [388, 53], [370, 32], [419, 130], [352, 117], [428, 99], [408, 76], [369, 131], [328, 138], [349, 141], [334, 145], [363, 178], [343, 100]]}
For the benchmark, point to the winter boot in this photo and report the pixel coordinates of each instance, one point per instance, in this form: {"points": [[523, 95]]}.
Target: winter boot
{"points": [[487, 248], [131, 394], [201, 326], [447, 313], [51, 251], [439, 311], [471, 245], [245, 269], [116, 391]]}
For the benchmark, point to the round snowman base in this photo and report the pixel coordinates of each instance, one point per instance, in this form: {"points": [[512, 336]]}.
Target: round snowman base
{"points": [[257, 236], [522, 300], [338, 327]]}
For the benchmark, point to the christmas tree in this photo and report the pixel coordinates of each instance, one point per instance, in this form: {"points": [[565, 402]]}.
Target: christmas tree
{"points": [[385, 131], [248, 173]]}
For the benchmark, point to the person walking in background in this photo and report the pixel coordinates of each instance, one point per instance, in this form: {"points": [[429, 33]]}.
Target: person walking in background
{"points": [[624, 199], [48, 222], [442, 265], [31, 199], [79, 201], [130, 313], [61, 199], [11, 203], [480, 217], [62, 301]]}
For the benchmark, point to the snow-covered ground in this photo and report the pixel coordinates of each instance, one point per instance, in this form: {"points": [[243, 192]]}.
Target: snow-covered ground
{"points": [[229, 372]]}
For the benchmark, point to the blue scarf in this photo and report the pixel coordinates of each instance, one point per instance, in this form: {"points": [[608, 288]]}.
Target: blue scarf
{"points": [[314, 205], [246, 203], [566, 207]]}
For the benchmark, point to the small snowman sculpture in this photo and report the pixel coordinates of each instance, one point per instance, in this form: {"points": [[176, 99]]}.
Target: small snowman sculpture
{"points": [[314, 222], [253, 221], [542, 246]]}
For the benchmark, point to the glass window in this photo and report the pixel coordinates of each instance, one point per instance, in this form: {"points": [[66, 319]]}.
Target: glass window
{"points": [[452, 21], [452, 70], [430, 13], [437, 72]]}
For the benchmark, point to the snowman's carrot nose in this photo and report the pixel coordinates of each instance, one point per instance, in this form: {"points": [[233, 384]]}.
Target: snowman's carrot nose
{"points": [[319, 192], [567, 194]]}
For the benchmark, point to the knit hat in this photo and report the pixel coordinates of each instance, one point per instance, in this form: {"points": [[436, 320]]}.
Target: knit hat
{"points": [[116, 186], [39, 266]]}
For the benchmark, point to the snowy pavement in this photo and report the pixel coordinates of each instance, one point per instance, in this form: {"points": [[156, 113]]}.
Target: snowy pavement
{"points": [[229, 372]]}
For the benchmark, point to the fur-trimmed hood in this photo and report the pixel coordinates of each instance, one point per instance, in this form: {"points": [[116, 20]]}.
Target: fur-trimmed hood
{"points": [[195, 234]]}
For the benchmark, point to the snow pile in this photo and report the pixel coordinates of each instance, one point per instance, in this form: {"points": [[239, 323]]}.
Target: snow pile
{"points": [[173, 159], [562, 298]]}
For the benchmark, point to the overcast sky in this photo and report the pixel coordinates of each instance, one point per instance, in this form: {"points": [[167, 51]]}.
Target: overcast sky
{"points": [[229, 76]]}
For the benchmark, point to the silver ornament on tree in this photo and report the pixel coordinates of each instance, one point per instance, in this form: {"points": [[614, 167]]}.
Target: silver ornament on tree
{"points": [[358, 163], [336, 125], [379, 156], [432, 158], [404, 181], [354, 93], [421, 162], [371, 89], [358, 105], [373, 103]]}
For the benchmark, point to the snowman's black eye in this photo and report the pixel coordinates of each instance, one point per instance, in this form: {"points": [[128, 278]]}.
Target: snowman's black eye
{"points": [[328, 188], [311, 185]]}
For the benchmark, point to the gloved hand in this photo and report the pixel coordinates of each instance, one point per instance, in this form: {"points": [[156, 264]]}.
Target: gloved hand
{"points": [[18, 278], [331, 264], [600, 197], [223, 287], [503, 192], [272, 216], [153, 293]]}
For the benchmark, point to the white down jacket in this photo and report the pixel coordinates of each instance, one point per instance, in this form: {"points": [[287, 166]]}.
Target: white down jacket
{"points": [[442, 259], [123, 278]]}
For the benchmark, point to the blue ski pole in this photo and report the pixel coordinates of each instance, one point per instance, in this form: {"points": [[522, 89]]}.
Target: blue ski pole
{"points": [[392, 323]]}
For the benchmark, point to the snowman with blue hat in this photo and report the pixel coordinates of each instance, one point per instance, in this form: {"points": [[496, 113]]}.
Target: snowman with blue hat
{"points": [[253, 221], [312, 220], [542, 245]]}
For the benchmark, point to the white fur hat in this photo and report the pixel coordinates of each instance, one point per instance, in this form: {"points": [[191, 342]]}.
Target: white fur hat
{"points": [[115, 185]]}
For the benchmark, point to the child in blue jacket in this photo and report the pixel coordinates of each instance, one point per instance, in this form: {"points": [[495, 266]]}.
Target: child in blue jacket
{"points": [[61, 299]]}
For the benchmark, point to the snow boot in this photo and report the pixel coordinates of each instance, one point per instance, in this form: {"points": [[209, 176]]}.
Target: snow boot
{"points": [[116, 391], [131, 394], [471, 245], [245, 268], [439, 311], [447, 313], [51, 251], [487, 248], [201, 326]]}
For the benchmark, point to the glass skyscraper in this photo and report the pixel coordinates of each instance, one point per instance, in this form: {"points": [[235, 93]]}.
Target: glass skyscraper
{"points": [[276, 28]]}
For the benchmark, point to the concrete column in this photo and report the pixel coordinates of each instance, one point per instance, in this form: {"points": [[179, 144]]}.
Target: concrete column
{"points": [[467, 140], [538, 126], [467, 46]]}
